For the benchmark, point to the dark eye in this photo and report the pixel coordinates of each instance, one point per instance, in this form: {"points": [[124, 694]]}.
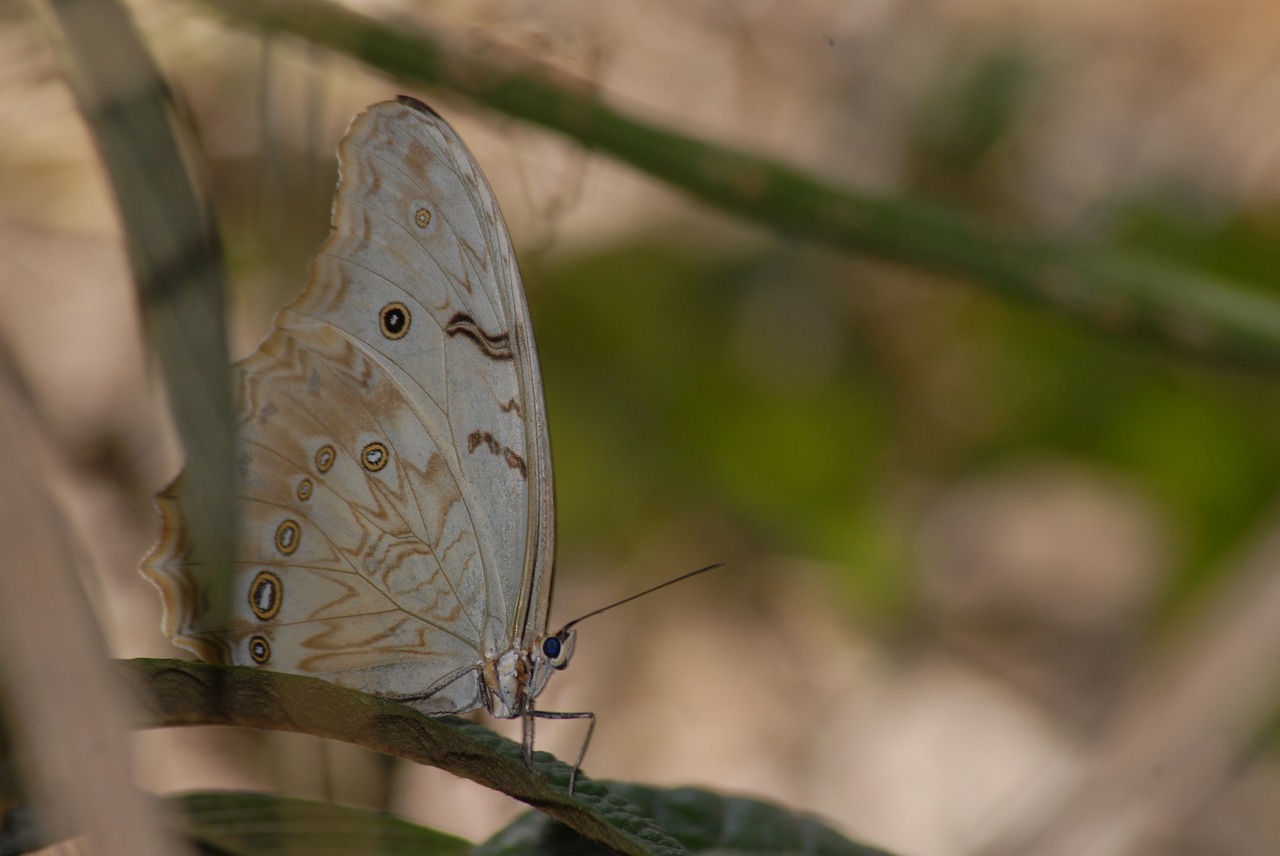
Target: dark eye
{"points": [[551, 647]]}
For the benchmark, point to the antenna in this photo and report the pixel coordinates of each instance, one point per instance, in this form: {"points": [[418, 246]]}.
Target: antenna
{"points": [[642, 594]]}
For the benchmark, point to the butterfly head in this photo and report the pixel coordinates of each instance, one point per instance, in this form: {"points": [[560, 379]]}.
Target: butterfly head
{"points": [[514, 679], [548, 653]]}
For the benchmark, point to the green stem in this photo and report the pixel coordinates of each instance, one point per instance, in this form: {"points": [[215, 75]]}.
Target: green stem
{"points": [[1188, 308]]}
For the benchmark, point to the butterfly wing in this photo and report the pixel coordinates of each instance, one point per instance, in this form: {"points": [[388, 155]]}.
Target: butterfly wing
{"points": [[394, 468]]}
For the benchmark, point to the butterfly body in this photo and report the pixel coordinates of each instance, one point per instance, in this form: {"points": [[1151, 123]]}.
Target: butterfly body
{"points": [[395, 491]]}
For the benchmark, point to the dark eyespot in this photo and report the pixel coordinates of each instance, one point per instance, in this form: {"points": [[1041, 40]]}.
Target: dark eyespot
{"points": [[374, 457], [288, 533], [259, 649], [265, 595], [394, 320]]}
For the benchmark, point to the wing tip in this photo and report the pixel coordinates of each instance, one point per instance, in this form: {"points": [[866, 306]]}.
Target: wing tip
{"points": [[415, 104]]}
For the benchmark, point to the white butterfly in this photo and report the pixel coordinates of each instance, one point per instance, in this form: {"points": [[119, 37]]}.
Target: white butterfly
{"points": [[397, 530]]}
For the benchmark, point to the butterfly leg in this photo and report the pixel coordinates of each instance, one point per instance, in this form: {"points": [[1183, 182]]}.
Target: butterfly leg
{"points": [[556, 714]]}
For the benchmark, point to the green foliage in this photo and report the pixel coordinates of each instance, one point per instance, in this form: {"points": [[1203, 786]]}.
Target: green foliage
{"points": [[700, 822], [624, 329], [801, 428], [704, 822], [268, 825]]}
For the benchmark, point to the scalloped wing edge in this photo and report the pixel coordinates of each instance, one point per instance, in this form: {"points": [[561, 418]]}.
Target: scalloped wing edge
{"points": [[166, 567]]}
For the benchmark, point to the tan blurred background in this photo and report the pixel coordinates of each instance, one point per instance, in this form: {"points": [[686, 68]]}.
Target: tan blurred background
{"points": [[995, 583]]}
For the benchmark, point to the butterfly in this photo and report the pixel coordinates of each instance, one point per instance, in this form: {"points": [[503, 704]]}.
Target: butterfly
{"points": [[397, 517]]}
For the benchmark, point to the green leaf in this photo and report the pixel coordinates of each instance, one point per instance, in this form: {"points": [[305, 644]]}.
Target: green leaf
{"points": [[265, 825], [176, 692], [704, 822]]}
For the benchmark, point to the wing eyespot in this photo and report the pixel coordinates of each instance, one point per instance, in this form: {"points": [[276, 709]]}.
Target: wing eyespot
{"points": [[374, 457], [288, 535], [304, 490], [422, 217], [394, 320], [259, 649], [325, 456], [266, 594]]}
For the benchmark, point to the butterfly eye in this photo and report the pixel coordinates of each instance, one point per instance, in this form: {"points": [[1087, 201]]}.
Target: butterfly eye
{"points": [[558, 649]]}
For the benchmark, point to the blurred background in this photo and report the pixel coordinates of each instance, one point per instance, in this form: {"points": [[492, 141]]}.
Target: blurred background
{"points": [[997, 580]]}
